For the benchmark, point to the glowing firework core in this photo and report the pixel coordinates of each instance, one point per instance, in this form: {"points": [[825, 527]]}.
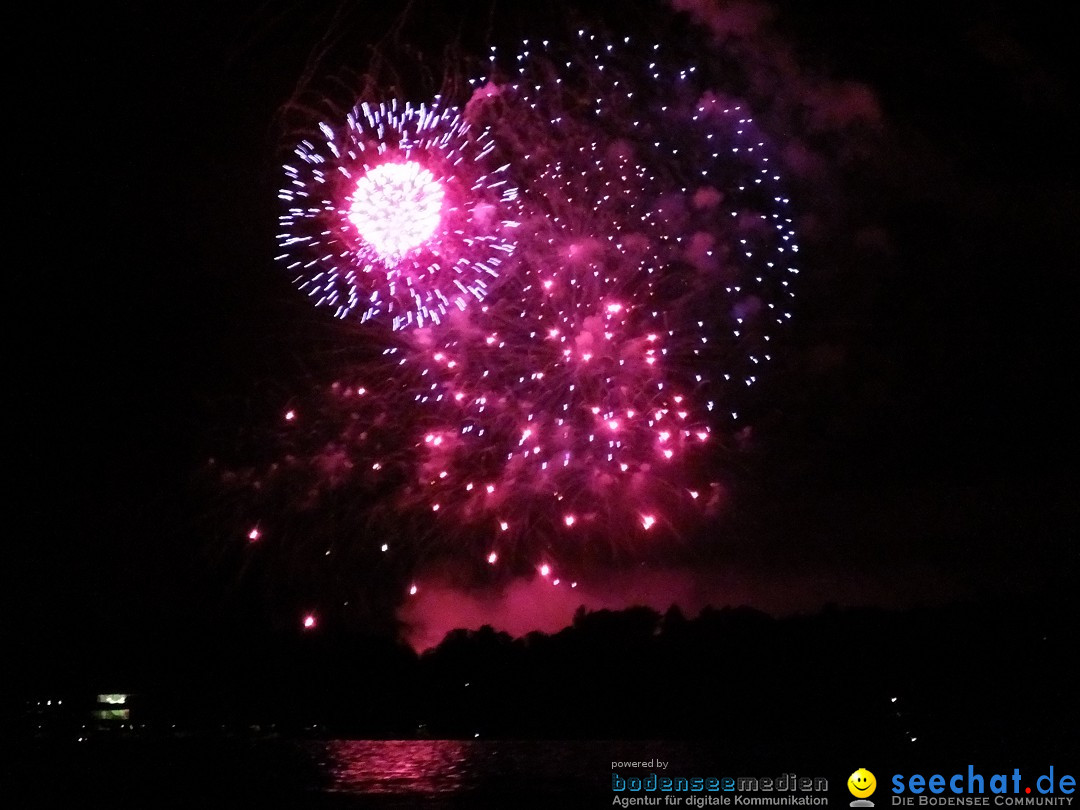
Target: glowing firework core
{"points": [[396, 208]]}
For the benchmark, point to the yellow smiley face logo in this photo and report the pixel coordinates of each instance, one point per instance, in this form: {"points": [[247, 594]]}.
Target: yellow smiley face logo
{"points": [[861, 783]]}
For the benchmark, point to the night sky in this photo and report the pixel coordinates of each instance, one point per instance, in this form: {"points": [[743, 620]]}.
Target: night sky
{"points": [[915, 442]]}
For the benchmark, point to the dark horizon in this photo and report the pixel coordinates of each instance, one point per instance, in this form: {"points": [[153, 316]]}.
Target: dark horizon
{"points": [[928, 683]]}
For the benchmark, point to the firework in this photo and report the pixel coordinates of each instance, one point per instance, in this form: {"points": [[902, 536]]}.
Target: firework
{"points": [[396, 211], [575, 409]]}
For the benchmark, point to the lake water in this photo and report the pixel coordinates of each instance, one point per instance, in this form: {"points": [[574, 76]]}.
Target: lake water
{"points": [[239, 772]]}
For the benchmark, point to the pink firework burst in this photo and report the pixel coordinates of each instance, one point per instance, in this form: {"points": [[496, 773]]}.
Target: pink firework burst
{"points": [[398, 212], [575, 412]]}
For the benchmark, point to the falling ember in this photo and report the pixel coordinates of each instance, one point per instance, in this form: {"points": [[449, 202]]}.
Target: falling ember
{"points": [[254, 534], [309, 621], [647, 521], [545, 569], [412, 590], [492, 558]]}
